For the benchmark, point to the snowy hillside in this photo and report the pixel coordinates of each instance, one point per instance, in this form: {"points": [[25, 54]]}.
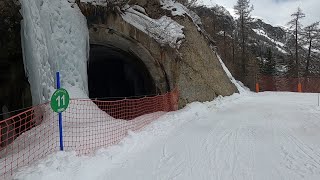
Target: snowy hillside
{"points": [[263, 37], [274, 36], [271, 39], [278, 45]]}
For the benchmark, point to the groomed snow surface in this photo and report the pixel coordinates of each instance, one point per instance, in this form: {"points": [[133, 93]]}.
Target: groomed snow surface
{"points": [[248, 136]]}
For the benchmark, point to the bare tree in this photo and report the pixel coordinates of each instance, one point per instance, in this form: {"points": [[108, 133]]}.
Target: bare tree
{"points": [[243, 9], [296, 28], [311, 36]]}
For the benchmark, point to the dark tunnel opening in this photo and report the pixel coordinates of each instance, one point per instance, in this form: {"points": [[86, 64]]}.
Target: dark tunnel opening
{"points": [[115, 74]]}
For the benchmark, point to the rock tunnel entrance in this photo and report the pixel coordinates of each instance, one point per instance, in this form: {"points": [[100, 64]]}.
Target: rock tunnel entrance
{"points": [[114, 73]]}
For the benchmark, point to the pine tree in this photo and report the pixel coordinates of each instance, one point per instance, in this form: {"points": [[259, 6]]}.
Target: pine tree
{"points": [[271, 65], [243, 10], [268, 65]]}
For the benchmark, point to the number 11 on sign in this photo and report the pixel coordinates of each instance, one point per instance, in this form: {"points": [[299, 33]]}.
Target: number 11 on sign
{"points": [[59, 100]]}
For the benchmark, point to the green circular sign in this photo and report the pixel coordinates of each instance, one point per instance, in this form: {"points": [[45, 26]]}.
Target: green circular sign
{"points": [[60, 100]]}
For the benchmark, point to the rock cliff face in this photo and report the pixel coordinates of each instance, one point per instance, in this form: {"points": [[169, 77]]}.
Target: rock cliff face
{"points": [[194, 67], [14, 88], [201, 77]]}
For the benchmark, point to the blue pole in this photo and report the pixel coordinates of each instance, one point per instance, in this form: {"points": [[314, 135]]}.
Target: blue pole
{"points": [[60, 131], [58, 80], [60, 115]]}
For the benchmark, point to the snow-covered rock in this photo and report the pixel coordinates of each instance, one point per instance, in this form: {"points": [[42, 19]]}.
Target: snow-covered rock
{"points": [[163, 30], [177, 9]]}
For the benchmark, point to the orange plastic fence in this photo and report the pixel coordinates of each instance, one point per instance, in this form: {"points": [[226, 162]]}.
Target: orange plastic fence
{"points": [[291, 84], [87, 125]]}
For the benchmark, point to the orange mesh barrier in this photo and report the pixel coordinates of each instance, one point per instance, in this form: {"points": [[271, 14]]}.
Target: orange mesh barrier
{"points": [[290, 84], [87, 125]]}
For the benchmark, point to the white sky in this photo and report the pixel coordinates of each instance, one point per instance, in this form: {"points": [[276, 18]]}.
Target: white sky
{"points": [[277, 12]]}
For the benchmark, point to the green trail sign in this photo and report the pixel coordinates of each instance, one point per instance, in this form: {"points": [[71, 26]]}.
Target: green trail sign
{"points": [[60, 100]]}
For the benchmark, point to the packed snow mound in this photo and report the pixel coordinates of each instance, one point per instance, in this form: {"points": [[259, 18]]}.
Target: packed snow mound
{"points": [[163, 30], [55, 37]]}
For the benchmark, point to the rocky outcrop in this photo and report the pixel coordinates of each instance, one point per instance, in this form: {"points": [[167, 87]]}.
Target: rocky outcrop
{"points": [[201, 77], [193, 68]]}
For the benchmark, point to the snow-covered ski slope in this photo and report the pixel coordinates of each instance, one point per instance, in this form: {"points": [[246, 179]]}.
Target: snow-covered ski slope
{"points": [[252, 136]]}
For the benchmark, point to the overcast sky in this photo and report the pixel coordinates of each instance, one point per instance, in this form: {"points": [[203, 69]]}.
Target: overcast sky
{"points": [[277, 12]]}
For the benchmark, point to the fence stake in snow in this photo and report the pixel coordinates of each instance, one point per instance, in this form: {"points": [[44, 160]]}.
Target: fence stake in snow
{"points": [[257, 84], [59, 103], [257, 87], [299, 87]]}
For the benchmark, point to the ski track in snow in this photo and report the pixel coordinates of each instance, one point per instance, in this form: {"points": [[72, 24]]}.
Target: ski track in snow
{"points": [[257, 136]]}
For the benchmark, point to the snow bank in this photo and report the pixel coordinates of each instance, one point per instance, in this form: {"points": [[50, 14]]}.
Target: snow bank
{"points": [[163, 30], [240, 86], [54, 38]]}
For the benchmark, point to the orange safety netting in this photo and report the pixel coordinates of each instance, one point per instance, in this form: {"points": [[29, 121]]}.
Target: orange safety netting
{"points": [[87, 125], [290, 84]]}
